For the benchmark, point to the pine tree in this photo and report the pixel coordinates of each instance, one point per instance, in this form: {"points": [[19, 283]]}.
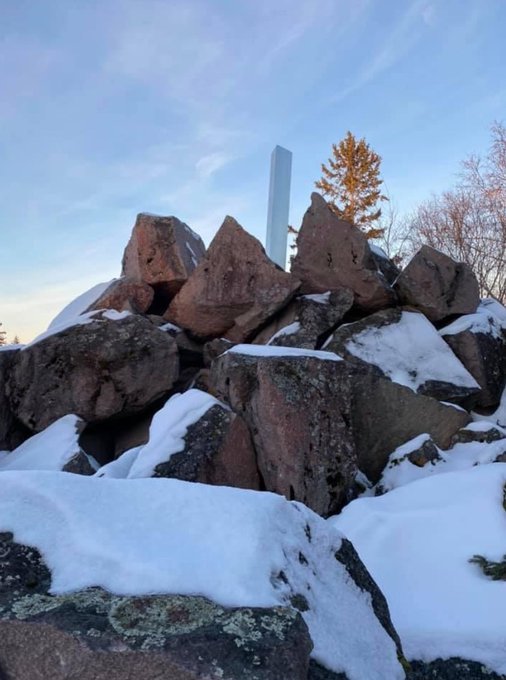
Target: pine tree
{"points": [[2, 336], [351, 184]]}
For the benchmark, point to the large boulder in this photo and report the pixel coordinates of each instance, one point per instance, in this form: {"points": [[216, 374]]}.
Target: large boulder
{"points": [[333, 254], [307, 320], [196, 438], [386, 414], [479, 341], [437, 285], [234, 290], [405, 347], [99, 369], [12, 432], [124, 294], [93, 634], [163, 252], [297, 404], [232, 550]]}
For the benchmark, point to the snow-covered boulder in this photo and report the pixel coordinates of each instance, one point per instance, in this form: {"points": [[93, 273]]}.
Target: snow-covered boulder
{"points": [[196, 438], [297, 404], [118, 363], [55, 448], [237, 548], [479, 341], [421, 458], [406, 348], [417, 542]]}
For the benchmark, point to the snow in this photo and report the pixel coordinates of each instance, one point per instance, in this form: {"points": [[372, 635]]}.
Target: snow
{"points": [[321, 298], [481, 322], [225, 544], [114, 315], [410, 353], [9, 348], [79, 306], [378, 251], [489, 305], [193, 257], [168, 430], [417, 541], [169, 327], [399, 471], [81, 320], [50, 449], [119, 468], [273, 351], [290, 329]]}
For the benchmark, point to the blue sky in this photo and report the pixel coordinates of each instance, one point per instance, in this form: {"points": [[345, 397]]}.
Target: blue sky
{"points": [[113, 107]]}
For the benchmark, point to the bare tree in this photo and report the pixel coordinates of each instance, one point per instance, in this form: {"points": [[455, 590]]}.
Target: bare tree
{"points": [[468, 222]]}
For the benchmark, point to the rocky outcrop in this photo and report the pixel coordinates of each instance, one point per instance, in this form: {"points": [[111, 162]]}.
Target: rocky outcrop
{"points": [[405, 347], [125, 294], [307, 320], [437, 285], [217, 450], [298, 409], [98, 370], [234, 290], [162, 252], [386, 415], [451, 669], [333, 254], [479, 342]]}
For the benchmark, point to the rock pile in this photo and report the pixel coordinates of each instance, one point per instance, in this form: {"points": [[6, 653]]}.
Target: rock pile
{"points": [[348, 359]]}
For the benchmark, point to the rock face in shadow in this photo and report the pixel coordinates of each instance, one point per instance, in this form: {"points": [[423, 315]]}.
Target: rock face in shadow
{"points": [[298, 409], [307, 320], [12, 432], [482, 350], [125, 294], [162, 252], [218, 450], [234, 290], [386, 415], [333, 254], [437, 285], [97, 370]]}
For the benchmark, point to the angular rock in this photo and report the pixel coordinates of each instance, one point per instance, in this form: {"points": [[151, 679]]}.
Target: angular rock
{"points": [[385, 265], [234, 290], [333, 254], [437, 285], [307, 320], [217, 450], [98, 370], [451, 669], [125, 294], [213, 349], [480, 343], [386, 415], [298, 409], [405, 347], [12, 432], [162, 252], [471, 433]]}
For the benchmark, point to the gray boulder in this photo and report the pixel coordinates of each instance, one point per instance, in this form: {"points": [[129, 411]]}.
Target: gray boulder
{"points": [[12, 432], [97, 370], [298, 409], [437, 285]]}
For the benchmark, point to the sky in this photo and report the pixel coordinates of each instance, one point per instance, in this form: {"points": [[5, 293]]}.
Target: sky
{"points": [[109, 108]]}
